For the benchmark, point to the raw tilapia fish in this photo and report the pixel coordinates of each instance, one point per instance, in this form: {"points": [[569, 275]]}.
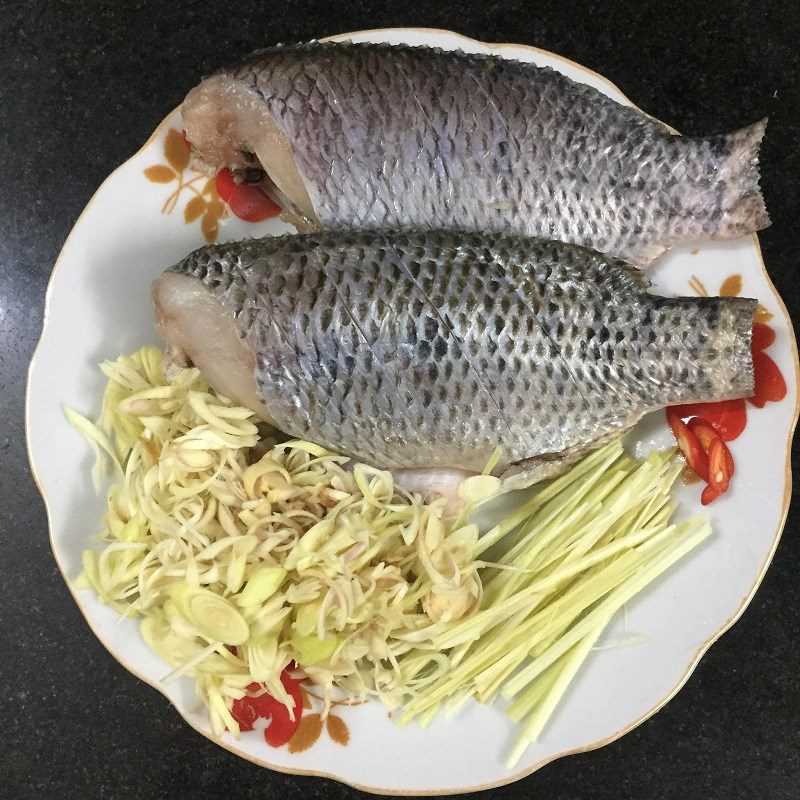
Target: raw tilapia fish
{"points": [[420, 350], [346, 135]]}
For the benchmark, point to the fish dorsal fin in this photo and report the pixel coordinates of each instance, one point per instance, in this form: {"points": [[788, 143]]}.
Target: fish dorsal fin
{"points": [[632, 278]]}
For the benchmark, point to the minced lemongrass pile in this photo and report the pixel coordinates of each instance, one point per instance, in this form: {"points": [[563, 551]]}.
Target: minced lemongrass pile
{"points": [[243, 555]]}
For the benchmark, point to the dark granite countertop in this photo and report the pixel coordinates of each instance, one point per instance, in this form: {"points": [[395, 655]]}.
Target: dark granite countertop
{"points": [[82, 85]]}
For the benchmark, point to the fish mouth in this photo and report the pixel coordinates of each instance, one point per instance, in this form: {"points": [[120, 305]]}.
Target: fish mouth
{"points": [[228, 125]]}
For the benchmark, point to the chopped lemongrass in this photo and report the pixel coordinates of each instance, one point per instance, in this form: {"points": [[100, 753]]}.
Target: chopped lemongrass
{"points": [[213, 616], [243, 557], [311, 650], [214, 545], [617, 643], [577, 557], [478, 488], [98, 441], [261, 585], [186, 668], [493, 461]]}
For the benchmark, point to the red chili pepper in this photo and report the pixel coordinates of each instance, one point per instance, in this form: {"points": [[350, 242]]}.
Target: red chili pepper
{"points": [[246, 201], [703, 430], [769, 383], [282, 727], [244, 710], [690, 446], [763, 337], [709, 495], [706, 433], [719, 475], [728, 417]]}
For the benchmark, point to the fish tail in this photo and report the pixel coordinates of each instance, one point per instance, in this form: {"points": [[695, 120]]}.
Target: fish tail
{"points": [[713, 191], [712, 360], [743, 208]]}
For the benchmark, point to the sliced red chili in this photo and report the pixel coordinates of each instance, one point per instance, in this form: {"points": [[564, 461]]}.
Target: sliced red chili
{"points": [[763, 336], [709, 495], [727, 417], [245, 712], [719, 474], [246, 201], [282, 727], [769, 383], [690, 446], [706, 433]]}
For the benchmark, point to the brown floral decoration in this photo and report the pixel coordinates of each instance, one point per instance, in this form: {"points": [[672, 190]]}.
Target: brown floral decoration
{"points": [[730, 287], [203, 202], [311, 726]]}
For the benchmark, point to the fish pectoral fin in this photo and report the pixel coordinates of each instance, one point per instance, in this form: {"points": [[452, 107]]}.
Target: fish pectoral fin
{"points": [[539, 468], [645, 256]]}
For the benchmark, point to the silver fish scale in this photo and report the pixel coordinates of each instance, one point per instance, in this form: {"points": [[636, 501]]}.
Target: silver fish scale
{"points": [[432, 349], [401, 136]]}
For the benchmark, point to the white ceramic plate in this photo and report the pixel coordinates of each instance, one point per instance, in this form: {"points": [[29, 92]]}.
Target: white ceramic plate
{"points": [[98, 306]]}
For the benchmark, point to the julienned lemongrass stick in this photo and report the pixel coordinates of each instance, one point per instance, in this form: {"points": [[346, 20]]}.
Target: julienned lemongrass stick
{"points": [[552, 694], [596, 463], [590, 541], [605, 610], [583, 637]]}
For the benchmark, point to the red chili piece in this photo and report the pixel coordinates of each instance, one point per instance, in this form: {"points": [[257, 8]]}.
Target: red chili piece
{"points": [[769, 383], [281, 726], [690, 446], [704, 431], [709, 495], [719, 475], [727, 417], [246, 201]]}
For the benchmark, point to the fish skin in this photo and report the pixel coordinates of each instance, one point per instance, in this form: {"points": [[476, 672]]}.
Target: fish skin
{"points": [[417, 137], [431, 349]]}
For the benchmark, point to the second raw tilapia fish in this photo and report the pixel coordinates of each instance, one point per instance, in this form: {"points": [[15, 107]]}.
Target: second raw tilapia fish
{"points": [[420, 350], [347, 135]]}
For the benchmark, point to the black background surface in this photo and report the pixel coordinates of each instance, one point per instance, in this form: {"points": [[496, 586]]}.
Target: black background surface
{"points": [[82, 85]]}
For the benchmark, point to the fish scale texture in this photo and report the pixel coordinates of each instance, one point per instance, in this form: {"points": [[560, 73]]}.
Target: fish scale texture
{"points": [[397, 136], [434, 348]]}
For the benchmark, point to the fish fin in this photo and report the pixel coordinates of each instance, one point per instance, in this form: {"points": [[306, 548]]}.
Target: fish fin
{"points": [[726, 205], [632, 275], [534, 470], [550, 465], [743, 201], [721, 354], [645, 256]]}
